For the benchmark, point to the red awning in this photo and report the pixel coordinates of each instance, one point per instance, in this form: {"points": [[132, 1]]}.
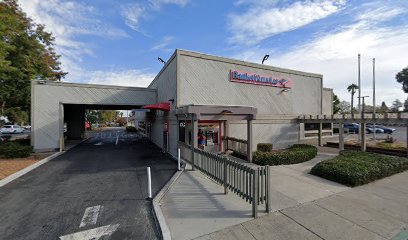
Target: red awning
{"points": [[164, 106]]}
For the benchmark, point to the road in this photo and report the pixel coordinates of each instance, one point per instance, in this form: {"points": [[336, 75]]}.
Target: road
{"points": [[97, 189]]}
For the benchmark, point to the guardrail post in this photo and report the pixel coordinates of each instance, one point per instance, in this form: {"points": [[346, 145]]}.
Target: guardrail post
{"points": [[149, 184], [255, 198], [225, 175], [178, 159], [268, 188]]}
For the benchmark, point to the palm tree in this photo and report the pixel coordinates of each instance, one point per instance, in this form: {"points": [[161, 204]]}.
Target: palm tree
{"points": [[352, 89]]}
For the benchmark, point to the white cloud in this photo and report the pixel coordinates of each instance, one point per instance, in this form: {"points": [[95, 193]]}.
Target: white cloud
{"points": [[132, 77], [133, 13], [67, 20], [156, 4], [262, 21], [335, 56], [163, 44]]}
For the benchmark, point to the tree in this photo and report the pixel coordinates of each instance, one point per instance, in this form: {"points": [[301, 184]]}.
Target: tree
{"points": [[384, 108], [344, 107], [92, 116], [396, 105], [26, 53], [402, 77], [406, 105], [336, 103], [352, 89]]}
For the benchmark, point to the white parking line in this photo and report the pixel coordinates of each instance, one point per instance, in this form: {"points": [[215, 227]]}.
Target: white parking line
{"points": [[117, 139], [92, 234], [90, 216]]}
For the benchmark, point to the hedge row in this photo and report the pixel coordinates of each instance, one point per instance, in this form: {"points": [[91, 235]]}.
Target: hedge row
{"points": [[356, 168], [295, 154], [264, 147], [130, 129], [15, 150]]}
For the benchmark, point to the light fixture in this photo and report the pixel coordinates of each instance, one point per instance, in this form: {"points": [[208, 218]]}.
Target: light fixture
{"points": [[161, 60], [226, 111], [285, 90], [265, 58]]}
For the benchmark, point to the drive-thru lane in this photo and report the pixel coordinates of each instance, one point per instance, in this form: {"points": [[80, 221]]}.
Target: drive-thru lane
{"points": [[96, 190]]}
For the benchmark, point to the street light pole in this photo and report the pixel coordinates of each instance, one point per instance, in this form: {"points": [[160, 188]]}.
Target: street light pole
{"points": [[374, 99], [359, 89], [362, 134], [363, 108]]}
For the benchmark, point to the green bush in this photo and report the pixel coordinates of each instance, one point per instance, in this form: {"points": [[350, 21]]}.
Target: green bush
{"points": [[356, 168], [15, 150], [295, 154], [130, 129], [264, 147]]}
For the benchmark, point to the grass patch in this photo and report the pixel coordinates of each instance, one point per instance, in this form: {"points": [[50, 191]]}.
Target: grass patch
{"points": [[295, 154], [15, 149], [357, 168]]}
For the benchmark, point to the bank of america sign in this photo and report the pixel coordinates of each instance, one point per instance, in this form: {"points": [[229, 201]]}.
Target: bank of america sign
{"points": [[253, 78]]}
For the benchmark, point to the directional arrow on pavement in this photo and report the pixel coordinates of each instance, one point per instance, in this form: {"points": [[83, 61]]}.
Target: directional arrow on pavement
{"points": [[92, 234]]}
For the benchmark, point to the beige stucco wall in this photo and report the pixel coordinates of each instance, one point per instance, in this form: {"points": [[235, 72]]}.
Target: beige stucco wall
{"points": [[205, 79]]}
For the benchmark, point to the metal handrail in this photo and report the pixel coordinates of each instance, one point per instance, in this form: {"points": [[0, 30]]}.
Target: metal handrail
{"points": [[250, 183]]}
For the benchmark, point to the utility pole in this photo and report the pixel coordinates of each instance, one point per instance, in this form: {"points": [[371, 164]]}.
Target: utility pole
{"points": [[374, 117], [359, 90]]}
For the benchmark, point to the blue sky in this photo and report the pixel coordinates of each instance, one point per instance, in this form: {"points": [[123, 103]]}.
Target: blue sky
{"points": [[118, 42]]}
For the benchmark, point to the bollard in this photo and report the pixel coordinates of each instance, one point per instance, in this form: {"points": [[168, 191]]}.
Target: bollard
{"points": [[179, 160], [149, 184]]}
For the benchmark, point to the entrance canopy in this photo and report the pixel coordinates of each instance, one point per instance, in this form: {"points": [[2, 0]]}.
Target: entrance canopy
{"points": [[164, 106], [218, 113]]}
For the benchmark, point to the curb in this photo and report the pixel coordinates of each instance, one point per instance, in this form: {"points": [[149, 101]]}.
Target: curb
{"points": [[23, 171], [157, 211]]}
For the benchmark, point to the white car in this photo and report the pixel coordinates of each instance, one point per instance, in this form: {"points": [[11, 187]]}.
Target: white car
{"points": [[11, 129]]}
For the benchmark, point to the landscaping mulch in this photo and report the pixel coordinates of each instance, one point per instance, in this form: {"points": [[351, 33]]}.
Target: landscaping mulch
{"points": [[9, 166]]}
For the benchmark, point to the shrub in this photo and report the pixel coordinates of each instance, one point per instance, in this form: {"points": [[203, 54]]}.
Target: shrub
{"points": [[15, 150], [264, 147], [130, 129], [356, 168], [295, 154]]}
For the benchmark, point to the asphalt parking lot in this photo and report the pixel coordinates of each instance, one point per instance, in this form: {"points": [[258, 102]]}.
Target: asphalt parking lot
{"points": [[400, 134], [97, 190]]}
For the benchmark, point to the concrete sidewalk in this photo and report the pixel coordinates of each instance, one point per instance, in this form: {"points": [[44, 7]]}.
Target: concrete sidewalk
{"points": [[375, 211], [195, 205]]}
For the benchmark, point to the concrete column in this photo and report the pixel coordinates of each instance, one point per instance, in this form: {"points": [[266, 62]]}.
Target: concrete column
{"points": [[61, 128], [194, 124], [320, 134], [220, 132], [249, 141], [363, 136], [186, 132], [341, 137], [226, 133]]}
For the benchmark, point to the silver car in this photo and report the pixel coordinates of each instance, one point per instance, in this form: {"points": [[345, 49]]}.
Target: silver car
{"points": [[11, 129]]}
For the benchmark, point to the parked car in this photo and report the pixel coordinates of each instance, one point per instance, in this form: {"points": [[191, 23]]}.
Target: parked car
{"points": [[370, 129], [351, 127], [28, 127], [11, 129], [387, 130]]}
